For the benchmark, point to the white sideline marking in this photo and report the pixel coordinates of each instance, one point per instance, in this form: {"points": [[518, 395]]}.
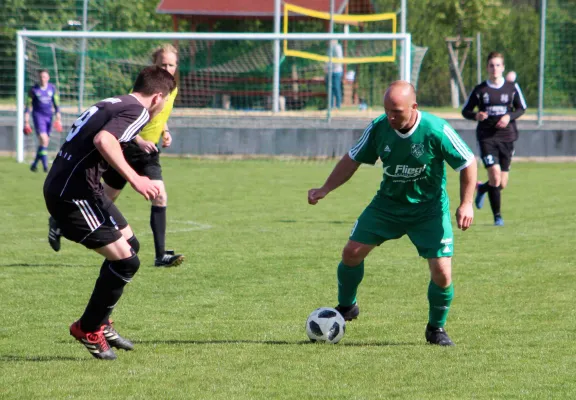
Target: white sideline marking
{"points": [[192, 226]]}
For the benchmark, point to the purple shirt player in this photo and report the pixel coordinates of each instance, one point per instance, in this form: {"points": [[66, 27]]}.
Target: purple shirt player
{"points": [[43, 100], [44, 104]]}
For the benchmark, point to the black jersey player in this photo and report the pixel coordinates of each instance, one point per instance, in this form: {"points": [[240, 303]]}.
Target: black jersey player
{"points": [[75, 200], [499, 104]]}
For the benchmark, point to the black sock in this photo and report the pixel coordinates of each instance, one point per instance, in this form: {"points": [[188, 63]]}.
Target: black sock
{"points": [[483, 188], [495, 199], [158, 225], [114, 275]]}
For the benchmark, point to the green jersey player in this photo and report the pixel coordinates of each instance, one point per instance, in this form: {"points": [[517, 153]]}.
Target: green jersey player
{"points": [[413, 147]]}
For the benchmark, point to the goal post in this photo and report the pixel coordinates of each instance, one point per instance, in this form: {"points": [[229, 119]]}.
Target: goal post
{"points": [[273, 39]]}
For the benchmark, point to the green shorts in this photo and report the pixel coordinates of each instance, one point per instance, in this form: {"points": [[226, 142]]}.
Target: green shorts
{"points": [[432, 236]]}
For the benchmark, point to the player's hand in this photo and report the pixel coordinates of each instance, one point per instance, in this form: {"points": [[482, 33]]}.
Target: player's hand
{"points": [[148, 147], [166, 139], [58, 126], [314, 195], [464, 216], [27, 129], [481, 116], [143, 185], [504, 121]]}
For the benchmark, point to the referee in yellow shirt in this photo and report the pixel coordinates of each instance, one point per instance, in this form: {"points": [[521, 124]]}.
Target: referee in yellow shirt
{"points": [[143, 155]]}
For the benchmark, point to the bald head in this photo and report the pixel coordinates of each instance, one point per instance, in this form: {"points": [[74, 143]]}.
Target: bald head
{"points": [[400, 92], [511, 76], [400, 105]]}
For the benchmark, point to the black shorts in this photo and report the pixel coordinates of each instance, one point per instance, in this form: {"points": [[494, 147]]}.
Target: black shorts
{"points": [[143, 163], [93, 223], [496, 152]]}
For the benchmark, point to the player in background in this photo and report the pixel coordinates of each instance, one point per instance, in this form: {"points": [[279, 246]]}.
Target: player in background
{"points": [[499, 103], [43, 102], [413, 146], [75, 199], [143, 155]]}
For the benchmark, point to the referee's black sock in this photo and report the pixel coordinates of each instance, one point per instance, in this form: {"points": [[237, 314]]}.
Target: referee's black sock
{"points": [[114, 275], [158, 225], [495, 199]]}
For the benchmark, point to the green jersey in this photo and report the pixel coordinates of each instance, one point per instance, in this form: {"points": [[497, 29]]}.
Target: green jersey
{"points": [[414, 179]]}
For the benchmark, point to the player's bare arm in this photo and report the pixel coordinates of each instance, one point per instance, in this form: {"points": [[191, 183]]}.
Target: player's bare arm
{"points": [[146, 145], [503, 122], [109, 147], [341, 173], [481, 116], [465, 211], [166, 137]]}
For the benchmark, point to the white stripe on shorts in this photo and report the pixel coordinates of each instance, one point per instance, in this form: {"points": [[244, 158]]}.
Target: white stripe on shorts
{"points": [[88, 214]]}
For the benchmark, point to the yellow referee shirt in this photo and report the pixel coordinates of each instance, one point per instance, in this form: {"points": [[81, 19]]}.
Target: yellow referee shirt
{"points": [[153, 129]]}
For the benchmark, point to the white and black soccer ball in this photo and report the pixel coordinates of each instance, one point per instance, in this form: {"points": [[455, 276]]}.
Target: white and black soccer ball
{"points": [[325, 324]]}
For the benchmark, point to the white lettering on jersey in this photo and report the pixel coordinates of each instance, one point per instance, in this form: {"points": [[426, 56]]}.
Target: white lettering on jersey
{"points": [[496, 110], [405, 171]]}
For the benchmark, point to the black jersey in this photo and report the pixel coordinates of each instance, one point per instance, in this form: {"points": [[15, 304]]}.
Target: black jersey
{"points": [[76, 171], [497, 101]]}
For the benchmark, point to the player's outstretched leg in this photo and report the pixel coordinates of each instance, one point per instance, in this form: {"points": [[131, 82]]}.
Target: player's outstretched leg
{"points": [[54, 234], [94, 324]]}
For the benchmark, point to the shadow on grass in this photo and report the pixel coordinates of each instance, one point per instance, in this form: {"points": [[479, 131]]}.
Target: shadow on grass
{"points": [[272, 342], [294, 221], [7, 358], [46, 265]]}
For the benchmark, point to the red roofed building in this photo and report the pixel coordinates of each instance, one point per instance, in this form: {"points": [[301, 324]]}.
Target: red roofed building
{"points": [[261, 9]]}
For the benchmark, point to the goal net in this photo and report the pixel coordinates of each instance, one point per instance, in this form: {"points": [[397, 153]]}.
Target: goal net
{"points": [[221, 77]]}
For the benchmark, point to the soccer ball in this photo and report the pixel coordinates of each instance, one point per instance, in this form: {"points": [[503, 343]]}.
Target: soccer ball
{"points": [[325, 324]]}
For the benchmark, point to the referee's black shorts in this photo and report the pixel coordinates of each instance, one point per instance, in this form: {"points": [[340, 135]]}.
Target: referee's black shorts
{"points": [[94, 222], [143, 163]]}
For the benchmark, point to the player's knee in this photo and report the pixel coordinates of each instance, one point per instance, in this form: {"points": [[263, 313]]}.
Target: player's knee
{"points": [[352, 256], [126, 268], [161, 200], [495, 182], [134, 243]]}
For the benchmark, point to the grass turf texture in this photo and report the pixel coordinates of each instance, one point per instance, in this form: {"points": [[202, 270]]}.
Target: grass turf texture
{"points": [[229, 323]]}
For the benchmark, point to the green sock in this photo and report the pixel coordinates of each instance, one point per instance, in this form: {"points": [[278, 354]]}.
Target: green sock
{"points": [[348, 280], [440, 300]]}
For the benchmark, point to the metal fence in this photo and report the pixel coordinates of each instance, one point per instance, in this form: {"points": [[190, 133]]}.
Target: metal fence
{"points": [[518, 35]]}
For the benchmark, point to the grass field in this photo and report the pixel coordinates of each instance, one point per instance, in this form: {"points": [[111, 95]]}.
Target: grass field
{"points": [[229, 323]]}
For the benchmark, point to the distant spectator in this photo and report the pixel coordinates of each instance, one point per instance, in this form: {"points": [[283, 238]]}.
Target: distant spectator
{"points": [[511, 77], [336, 52]]}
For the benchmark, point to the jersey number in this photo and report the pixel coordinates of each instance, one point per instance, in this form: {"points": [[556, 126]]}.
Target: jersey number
{"points": [[79, 123], [489, 159]]}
